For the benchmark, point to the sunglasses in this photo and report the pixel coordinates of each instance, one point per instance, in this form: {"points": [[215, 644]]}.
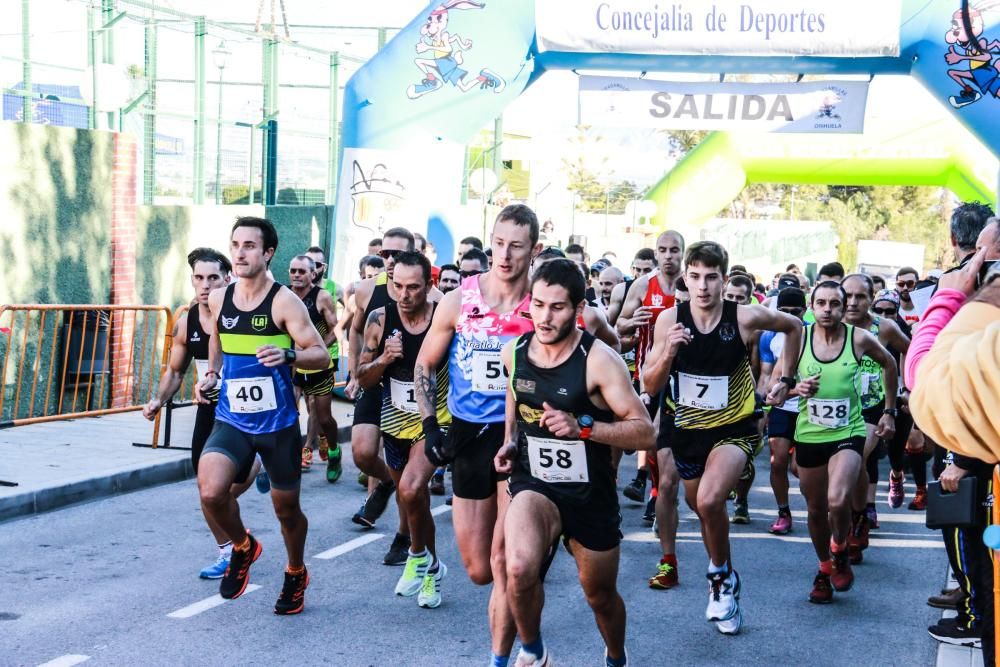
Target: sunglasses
{"points": [[907, 284], [389, 254], [320, 265], [469, 274], [295, 272], [885, 312]]}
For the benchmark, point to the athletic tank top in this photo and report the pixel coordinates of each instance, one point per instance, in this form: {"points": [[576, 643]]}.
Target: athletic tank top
{"points": [[380, 294], [658, 301], [197, 345], [834, 413], [317, 319], [872, 388], [478, 380], [253, 398], [331, 287], [714, 384], [578, 471], [400, 414]]}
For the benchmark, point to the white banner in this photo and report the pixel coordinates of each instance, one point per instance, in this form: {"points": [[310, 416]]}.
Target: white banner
{"points": [[815, 107], [844, 28]]}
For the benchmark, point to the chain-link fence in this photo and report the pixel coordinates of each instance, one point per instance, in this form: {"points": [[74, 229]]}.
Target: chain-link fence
{"points": [[224, 112]]}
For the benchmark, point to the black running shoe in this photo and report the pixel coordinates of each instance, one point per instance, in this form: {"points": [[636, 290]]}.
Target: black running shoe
{"points": [[374, 505], [650, 514], [958, 635], [437, 485], [635, 490], [398, 552], [292, 598], [234, 581]]}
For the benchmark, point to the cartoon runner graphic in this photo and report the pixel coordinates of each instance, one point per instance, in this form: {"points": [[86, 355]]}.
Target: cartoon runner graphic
{"points": [[978, 53], [446, 55]]}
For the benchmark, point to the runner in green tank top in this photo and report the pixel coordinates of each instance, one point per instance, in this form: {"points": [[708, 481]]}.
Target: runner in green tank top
{"points": [[830, 431]]}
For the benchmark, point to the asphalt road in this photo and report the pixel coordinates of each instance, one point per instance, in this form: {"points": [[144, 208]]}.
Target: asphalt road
{"points": [[101, 581]]}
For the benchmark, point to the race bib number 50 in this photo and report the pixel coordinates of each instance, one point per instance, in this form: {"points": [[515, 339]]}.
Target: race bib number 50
{"points": [[558, 461], [705, 392], [248, 395], [488, 373]]}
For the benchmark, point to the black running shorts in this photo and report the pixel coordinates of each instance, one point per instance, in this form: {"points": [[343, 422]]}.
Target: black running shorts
{"points": [[281, 452], [368, 406], [812, 455], [781, 423], [596, 526], [473, 476]]}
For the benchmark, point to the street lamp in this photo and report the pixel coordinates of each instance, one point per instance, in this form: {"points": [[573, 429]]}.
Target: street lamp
{"points": [[220, 55]]}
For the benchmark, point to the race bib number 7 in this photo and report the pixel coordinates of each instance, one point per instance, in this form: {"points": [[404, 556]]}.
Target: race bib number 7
{"points": [[705, 392], [488, 374], [558, 461], [249, 395]]}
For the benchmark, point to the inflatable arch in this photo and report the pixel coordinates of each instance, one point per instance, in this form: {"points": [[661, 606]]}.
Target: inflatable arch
{"points": [[409, 111]]}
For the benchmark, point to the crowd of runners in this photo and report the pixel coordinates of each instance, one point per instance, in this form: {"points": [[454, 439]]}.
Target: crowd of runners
{"points": [[541, 380]]}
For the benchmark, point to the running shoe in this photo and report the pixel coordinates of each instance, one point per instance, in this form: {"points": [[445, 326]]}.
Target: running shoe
{"points": [[437, 484], [217, 569], [307, 459], [919, 502], [374, 505], [782, 525], [723, 592], [525, 659], [263, 482], [412, 578], [731, 626], [363, 479], [741, 513], [234, 581], [822, 592], [650, 514], [842, 578], [872, 514], [635, 490], [957, 635], [896, 492], [324, 448], [430, 591], [292, 598], [665, 577], [334, 467], [398, 553]]}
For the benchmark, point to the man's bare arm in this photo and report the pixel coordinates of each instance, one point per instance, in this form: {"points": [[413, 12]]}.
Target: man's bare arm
{"points": [[633, 428], [433, 351], [370, 366]]}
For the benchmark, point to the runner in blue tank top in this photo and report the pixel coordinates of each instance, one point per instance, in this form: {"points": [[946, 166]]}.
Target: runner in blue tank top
{"points": [[255, 328]]}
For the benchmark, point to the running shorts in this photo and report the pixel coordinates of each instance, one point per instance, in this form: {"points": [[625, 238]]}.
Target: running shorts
{"points": [[280, 452], [473, 476], [813, 455]]}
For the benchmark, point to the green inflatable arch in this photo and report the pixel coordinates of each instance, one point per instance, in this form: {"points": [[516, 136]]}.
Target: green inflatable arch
{"points": [[709, 177]]}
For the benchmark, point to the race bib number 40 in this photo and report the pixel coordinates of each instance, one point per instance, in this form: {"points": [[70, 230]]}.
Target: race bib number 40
{"points": [[829, 412], [558, 461], [488, 374], [705, 392], [248, 395], [402, 397]]}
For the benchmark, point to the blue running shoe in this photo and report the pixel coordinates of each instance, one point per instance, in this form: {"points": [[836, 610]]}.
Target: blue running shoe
{"points": [[263, 482], [216, 570]]}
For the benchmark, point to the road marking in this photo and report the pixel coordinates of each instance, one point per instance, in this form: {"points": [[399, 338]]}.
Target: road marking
{"points": [[346, 547], [915, 518], [206, 604], [646, 536], [440, 509], [66, 661]]}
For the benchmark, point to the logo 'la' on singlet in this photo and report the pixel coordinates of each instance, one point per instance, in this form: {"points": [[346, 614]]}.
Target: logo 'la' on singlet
{"points": [[400, 414], [658, 301], [872, 387], [713, 382], [576, 470], [317, 319], [834, 413], [197, 346], [253, 398], [478, 379]]}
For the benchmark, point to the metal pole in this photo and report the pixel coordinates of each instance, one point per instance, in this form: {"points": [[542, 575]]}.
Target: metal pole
{"points": [[108, 46], [270, 131], [218, 144], [27, 115], [149, 118], [333, 164], [253, 141], [381, 38], [199, 110], [92, 63], [497, 140]]}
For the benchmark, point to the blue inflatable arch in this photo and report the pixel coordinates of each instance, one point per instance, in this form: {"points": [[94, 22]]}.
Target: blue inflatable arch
{"points": [[410, 110]]}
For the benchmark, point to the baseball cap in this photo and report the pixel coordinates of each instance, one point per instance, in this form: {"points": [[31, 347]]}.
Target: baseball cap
{"points": [[785, 283], [600, 265]]}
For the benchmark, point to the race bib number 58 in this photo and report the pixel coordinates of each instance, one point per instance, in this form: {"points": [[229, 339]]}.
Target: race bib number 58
{"points": [[488, 373], [558, 461], [248, 395]]}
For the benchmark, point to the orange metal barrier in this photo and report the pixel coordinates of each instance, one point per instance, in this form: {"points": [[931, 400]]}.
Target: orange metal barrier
{"points": [[69, 361]]}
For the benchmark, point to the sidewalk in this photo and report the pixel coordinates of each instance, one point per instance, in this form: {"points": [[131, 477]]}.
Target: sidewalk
{"points": [[60, 463]]}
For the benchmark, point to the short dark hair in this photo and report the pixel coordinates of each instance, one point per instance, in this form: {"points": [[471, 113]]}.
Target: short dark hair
{"points": [[680, 285], [489, 252], [645, 255], [967, 221], [707, 253], [479, 256], [266, 227], [790, 267], [421, 239], [878, 279], [565, 273], [414, 258], [377, 242], [449, 267], [209, 255], [738, 268], [829, 284], [373, 261], [400, 233], [866, 279], [832, 269], [740, 280], [521, 215], [574, 248], [474, 241], [549, 252], [907, 269], [316, 248]]}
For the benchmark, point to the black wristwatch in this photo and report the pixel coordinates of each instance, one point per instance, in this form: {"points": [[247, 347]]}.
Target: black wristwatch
{"points": [[290, 356], [790, 381], [892, 412]]}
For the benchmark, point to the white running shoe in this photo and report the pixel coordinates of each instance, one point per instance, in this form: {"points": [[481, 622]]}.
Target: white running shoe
{"points": [[525, 659], [731, 626], [430, 588], [723, 593]]}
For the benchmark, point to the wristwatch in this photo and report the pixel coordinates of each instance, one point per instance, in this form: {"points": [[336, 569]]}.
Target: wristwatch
{"points": [[790, 381], [892, 412], [586, 424], [290, 356]]}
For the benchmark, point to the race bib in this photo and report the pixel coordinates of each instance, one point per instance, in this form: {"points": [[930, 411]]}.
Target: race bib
{"points": [[402, 397], [200, 367], [705, 392], [488, 374], [248, 395], [829, 412], [558, 461]]}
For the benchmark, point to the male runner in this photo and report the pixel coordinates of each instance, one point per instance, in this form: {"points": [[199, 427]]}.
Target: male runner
{"points": [[470, 328], [393, 338], [254, 331], [704, 343], [830, 429], [210, 270], [610, 278], [473, 262], [569, 402], [317, 385], [449, 278], [906, 282]]}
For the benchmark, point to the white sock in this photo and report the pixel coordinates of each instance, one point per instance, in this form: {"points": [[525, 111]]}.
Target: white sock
{"points": [[226, 549]]}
